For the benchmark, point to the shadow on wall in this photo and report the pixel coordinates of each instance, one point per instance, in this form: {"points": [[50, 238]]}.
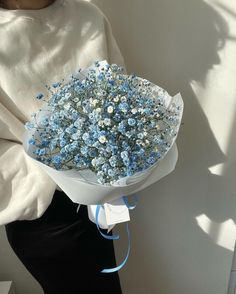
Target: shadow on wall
{"points": [[173, 43]]}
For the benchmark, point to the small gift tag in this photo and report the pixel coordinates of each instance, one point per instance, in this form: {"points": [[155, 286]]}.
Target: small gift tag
{"points": [[116, 212]]}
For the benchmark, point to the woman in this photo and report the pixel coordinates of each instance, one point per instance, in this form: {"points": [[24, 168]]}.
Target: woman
{"points": [[43, 41]]}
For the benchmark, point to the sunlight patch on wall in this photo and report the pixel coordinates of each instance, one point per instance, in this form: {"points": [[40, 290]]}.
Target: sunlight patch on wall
{"points": [[217, 169], [226, 231]]}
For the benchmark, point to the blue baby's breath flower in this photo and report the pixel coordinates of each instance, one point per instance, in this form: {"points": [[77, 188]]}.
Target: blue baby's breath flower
{"points": [[63, 142], [55, 85], [53, 144], [57, 159], [76, 136], [122, 127], [126, 161], [113, 160], [107, 121], [39, 96], [100, 76], [124, 154], [117, 117], [44, 122], [84, 150], [151, 160], [111, 82], [32, 141], [140, 135], [128, 134], [85, 136], [111, 172], [42, 151], [123, 106], [45, 143], [29, 125], [131, 121], [63, 153]]}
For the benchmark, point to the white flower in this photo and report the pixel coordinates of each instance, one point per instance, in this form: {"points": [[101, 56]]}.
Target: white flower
{"points": [[116, 99], [102, 139], [110, 109], [93, 101], [67, 105], [94, 161], [76, 99], [68, 95], [134, 110], [98, 110], [100, 123], [145, 133]]}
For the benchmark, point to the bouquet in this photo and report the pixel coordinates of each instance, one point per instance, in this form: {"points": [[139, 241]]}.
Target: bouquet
{"points": [[102, 134], [102, 129]]}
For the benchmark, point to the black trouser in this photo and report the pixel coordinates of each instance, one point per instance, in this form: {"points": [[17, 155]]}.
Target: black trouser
{"points": [[64, 251]]}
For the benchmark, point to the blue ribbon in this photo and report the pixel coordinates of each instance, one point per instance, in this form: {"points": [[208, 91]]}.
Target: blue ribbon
{"points": [[112, 270], [116, 237], [113, 237], [129, 206]]}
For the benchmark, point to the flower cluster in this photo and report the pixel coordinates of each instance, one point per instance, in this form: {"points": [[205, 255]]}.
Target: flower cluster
{"points": [[113, 124]]}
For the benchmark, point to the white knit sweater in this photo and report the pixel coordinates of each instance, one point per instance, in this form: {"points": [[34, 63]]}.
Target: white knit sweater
{"points": [[40, 47]]}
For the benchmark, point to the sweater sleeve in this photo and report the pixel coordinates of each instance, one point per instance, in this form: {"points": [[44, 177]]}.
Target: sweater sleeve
{"points": [[25, 189]]}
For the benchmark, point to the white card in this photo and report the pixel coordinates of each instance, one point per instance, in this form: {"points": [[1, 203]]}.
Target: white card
{"points": [[116, 212]]}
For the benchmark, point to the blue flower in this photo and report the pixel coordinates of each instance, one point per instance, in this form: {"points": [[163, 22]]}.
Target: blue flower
{"points": [[111, 172], [123, 106], [117, 117], [45, 142], [85, 136], [44, 122], [111, 82], [113, 160], [39, 96], [55, 85], [151, 160], [63, 142], [124, 154], [32, 141], [100, 76], [42, 151], [126, 161], [29, 125], [84, 150], [57, 159], [122, 127], [131, 121]]}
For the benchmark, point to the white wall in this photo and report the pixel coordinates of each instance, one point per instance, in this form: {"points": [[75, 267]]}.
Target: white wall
{"points": [[183, 229]]}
